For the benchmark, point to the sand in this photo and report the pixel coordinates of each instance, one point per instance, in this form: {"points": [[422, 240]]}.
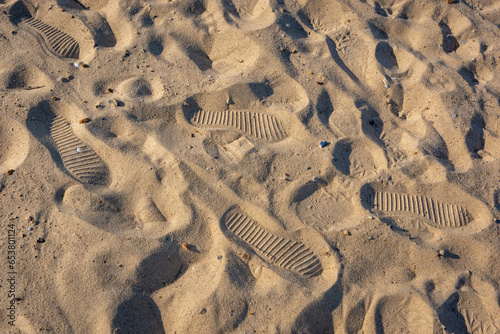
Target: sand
{"points": [[250, 166]]}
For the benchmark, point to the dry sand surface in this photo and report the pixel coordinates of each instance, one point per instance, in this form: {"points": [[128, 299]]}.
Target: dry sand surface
{"points": [[250, 166]]}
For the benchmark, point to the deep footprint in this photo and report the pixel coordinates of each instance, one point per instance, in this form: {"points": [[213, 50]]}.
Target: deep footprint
{"points": [[443, 214], [79, 159], [255, 124], [291, 255]]}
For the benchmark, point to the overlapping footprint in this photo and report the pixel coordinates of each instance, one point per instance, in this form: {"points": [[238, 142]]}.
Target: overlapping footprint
{"points": [[254, 230]]}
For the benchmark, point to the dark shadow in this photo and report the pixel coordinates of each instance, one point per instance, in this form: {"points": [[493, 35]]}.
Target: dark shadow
{"points": [[324, 107], [429, 287], [71, 4], [261, 90], [190, 107], [147, 21], [367, 196], [138, 315], [305, 191], [450, 43], [336, 58], [304, 18], [468, 76], [38, 122], [317, 318], [371, 124], [155, 46], [18, 12], [392, 225], [195, 7], [450, 317], [379, 10], [355, 318], [385, 56], [341, 154], [291, 27], [199, 57], [377, 32], [496, 199], [474, 139], [450, 255]]}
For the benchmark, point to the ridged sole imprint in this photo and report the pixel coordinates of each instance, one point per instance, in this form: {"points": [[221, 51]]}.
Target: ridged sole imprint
{"points": [[443, 214], [79, 159], [258, 125], [58, 42], [291, 255]]}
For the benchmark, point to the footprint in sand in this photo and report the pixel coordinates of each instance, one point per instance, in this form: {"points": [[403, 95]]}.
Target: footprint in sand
{"points": [[402, 313], [440, 205], [471, 309], [54, 40], [57, 30], [258, 125], [78, 158], [281, 251]]}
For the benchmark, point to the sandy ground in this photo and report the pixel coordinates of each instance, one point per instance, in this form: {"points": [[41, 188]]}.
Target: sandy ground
{"points": [[250, 166]]}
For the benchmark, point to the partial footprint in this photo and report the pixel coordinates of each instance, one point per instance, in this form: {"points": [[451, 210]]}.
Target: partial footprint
{"points": [[441, 205], [326, 206], [249, 15], [101, 212], [403, 313], [471, 311], [285, 253], [258, 125]]}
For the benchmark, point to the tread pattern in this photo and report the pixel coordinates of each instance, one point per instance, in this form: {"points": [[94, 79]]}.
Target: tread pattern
{"points": [[258, 125], [291, 255], [78, 158], [443, 214], [58, 42]]}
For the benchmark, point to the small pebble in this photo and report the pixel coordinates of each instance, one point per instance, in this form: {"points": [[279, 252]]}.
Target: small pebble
{"points": [[78, 149], [288, 25], [29, 218], [346, 232], [185, 246], [323, 144], [40, 240], [30, 229], [219, 257], [84, 120], [442, 252], [77, 64], [10, 172]]}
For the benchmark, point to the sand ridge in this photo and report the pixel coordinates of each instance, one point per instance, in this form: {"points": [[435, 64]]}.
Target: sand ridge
{"points": [[232, 166]]}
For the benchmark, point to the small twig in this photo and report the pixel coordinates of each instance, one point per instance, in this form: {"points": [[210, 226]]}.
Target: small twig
{"points": [[30, 88]]}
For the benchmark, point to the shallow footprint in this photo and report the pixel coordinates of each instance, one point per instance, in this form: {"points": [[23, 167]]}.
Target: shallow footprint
{"points": [[402, 313], [95, 209]]}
